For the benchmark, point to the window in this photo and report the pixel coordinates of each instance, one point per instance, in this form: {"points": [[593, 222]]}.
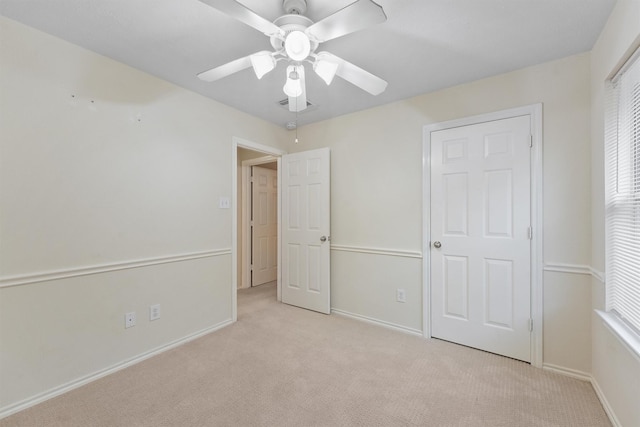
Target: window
{"points": [[622, 194]]}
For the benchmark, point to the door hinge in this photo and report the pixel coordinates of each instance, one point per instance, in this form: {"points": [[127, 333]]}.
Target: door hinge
{"points": [[530, 140], [530, 325], [529, 233]]}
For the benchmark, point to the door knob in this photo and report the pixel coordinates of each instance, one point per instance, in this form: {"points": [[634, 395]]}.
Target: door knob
{"points": [[437, 244], [323, 239]]}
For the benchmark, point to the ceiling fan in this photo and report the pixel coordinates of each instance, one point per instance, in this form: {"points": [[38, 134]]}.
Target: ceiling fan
{"points": [[295, 38]]}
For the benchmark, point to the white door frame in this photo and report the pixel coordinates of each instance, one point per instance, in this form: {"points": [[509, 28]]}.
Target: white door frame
{"points": [[535, 113], [270, 151], [245, 214]]}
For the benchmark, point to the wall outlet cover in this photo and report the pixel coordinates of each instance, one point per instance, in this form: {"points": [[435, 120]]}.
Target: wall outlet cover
{"points": [[130, 319], [401, 295], [224, 203]]}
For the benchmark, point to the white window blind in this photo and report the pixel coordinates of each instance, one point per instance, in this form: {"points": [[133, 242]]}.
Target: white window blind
{"points": [[622, 193]]}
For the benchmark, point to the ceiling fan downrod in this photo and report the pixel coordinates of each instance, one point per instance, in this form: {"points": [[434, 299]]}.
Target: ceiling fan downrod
{"points": [[294, 7]]}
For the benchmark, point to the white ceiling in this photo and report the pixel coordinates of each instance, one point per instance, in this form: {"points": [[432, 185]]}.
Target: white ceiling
{"points": [[425, 45]]}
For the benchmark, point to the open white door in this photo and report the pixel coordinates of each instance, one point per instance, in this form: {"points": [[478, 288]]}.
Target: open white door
{"points": [[264, 226], [305, 230]]}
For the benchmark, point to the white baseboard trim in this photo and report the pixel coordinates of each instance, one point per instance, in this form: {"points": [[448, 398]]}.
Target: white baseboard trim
{"points": [[39, 398], [377, 322], [46, 276], [573, 373], [71, 385], [605, 403]]}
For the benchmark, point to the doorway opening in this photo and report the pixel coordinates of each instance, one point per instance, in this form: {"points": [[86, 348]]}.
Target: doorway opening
{"points": [[303, 217], [258, 224], [246, 155]]}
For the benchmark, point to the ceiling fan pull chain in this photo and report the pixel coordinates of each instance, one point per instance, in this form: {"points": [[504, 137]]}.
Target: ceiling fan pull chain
{"points": [[296, 140]]}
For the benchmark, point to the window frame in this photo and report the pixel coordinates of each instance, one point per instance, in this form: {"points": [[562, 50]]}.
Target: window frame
{"points": [[622, 195]]}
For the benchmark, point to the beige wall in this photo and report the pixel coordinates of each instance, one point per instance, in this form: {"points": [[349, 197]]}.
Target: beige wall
{"points": [[136, 174], [615, 370], [102, 165], [376, 199]]}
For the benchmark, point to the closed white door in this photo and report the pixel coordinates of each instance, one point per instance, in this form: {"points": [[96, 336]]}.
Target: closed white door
{"points": [[305, 230], [264, 226], [480, 236]]}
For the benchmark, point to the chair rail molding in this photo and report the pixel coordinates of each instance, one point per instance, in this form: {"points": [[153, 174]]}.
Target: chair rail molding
{"points": [[574, 269], [377, 251], [45, 276]]}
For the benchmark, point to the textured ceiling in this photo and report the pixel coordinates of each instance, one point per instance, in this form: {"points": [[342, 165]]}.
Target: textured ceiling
{"points": [[425, 45]]}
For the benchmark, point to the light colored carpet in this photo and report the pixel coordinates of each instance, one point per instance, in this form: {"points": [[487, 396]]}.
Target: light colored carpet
{"points": [[284, 366]]}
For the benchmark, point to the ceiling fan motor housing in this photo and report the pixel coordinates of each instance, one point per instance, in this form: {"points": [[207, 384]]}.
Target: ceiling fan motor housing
{"points": [[289, 23], [295, 7]]}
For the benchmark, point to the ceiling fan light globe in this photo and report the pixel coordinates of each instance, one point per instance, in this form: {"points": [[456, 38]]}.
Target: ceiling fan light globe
{"points": [[262, 63], [325, 69], [292, 88], [297, 45]]}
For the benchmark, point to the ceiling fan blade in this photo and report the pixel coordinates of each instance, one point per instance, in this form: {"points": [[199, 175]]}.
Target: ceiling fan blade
{"points": [[225, 70], [356, 75], [245, 15], [357, 16], [299, 103]]}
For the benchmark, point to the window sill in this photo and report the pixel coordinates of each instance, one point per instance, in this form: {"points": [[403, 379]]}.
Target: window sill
{"points": [[622, 331]]}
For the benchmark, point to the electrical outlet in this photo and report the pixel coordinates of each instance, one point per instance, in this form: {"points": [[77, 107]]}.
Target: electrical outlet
{"points": [[130, 319], [224, 203], [154, 312], [401, 295]]}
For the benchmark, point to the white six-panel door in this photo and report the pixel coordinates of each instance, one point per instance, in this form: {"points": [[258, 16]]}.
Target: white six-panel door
{"points": [[305, 230], [264, 226], [480, 236]]}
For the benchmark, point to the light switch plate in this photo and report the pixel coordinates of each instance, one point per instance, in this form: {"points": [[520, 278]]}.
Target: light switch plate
{"points": [[154, 312]]}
